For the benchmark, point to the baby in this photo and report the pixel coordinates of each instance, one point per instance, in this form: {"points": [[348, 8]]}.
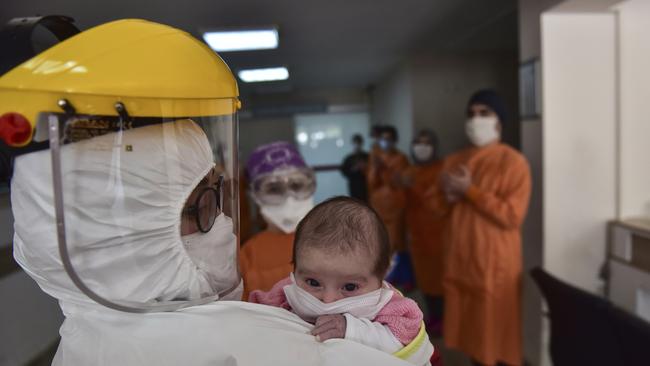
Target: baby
{"points": [[340, 256]]}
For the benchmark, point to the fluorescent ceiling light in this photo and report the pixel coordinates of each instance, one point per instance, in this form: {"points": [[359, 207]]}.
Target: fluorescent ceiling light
{"points": [[267, 74], [242, 40]]}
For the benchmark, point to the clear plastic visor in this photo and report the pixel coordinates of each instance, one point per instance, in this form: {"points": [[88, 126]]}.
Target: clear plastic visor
{"points": [[147, 208], [274, 188]]}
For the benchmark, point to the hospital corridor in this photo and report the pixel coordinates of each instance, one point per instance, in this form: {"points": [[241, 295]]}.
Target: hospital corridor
{"points": [[302, 183]]}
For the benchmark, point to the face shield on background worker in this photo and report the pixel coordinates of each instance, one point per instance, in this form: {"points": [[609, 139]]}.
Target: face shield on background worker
{"points": [[134, 204], [281, 184]]}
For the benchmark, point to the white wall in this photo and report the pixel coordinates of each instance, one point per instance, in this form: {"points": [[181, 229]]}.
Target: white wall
{"points": [[430, 90], [576, 251], [634, 63], [596, 152], [392, 104], [443, 82], [256, 132], [579, 149], [535, 351]]}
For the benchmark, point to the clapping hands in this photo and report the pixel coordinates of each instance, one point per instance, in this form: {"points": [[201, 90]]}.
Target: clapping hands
{"points": [[455, 184]]}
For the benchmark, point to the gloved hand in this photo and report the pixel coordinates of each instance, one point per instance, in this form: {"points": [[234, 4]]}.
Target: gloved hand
{"points": [[456, 184], [329, 326]]}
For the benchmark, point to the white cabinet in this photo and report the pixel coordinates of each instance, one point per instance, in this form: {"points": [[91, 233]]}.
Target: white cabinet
{"points": [[628, 263]]}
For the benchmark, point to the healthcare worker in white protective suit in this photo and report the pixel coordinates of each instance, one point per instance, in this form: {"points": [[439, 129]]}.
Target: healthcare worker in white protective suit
{"points": [[129, 215]]}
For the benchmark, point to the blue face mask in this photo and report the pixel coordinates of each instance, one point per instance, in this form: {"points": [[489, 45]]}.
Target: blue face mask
{"points": [[384, 144]]}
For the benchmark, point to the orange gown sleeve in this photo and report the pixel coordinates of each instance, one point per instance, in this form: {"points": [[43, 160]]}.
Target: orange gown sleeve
{"points": [[434, 198], [244, 268], [402, 166], [386, 196], [435, 201], [373, 172], [382, 168], [507, 209]]}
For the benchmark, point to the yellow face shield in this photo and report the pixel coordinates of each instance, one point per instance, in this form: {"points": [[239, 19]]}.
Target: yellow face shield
{"points": [[125, 164]]}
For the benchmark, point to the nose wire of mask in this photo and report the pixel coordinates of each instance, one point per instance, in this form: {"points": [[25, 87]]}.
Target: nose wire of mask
{"points": [[287, 215], [214, 253], [482, 130], [309, 307]]}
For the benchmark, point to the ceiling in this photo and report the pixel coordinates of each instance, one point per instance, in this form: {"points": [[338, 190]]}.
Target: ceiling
{"points": [[335, 44]]}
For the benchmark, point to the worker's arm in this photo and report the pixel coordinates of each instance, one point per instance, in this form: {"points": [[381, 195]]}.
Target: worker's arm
{"points": [[506, 209], [375, 168]]}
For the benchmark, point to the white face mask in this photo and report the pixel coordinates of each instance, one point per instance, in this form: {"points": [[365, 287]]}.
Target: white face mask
{"points": [[482, 130], [384, 144], [287, 215], [215, 255], [422, 152], [308, 307]]}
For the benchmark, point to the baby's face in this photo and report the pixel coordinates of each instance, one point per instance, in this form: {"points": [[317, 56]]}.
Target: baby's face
{"points": [[331, 276]]}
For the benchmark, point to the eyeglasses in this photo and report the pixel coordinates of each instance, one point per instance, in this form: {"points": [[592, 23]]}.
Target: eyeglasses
{"points": [[274, 189], [207, 207]]}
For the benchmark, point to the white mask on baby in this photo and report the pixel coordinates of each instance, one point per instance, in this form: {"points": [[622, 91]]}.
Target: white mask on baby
{"points": [[482, 130], [215, 255], [286, 216], [308, 307]]}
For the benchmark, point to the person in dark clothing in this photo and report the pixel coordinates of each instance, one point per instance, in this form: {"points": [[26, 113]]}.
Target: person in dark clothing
{"points": [[354, 169]]}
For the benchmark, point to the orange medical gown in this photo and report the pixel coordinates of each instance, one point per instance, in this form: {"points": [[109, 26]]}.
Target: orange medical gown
{"points": [[425, 229], [483, 263], [264, 260], [384, 196]]}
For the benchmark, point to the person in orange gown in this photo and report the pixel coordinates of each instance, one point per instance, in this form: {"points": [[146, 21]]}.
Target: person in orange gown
{"points": [[283, 187], [486, 189], [424, 226], [385, 193]]}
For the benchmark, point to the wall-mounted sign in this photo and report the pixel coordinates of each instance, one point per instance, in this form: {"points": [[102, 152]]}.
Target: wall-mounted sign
{"points": [[530, 89]]}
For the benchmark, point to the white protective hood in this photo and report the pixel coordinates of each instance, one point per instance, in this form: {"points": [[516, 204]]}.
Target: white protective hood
{"points": [[120, 255]]}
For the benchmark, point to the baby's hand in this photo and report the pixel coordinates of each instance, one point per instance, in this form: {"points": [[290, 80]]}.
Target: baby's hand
{"points": [[329, 326]]}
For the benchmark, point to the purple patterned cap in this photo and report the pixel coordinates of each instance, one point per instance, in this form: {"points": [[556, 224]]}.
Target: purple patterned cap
{"points": [[267, 158]]}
